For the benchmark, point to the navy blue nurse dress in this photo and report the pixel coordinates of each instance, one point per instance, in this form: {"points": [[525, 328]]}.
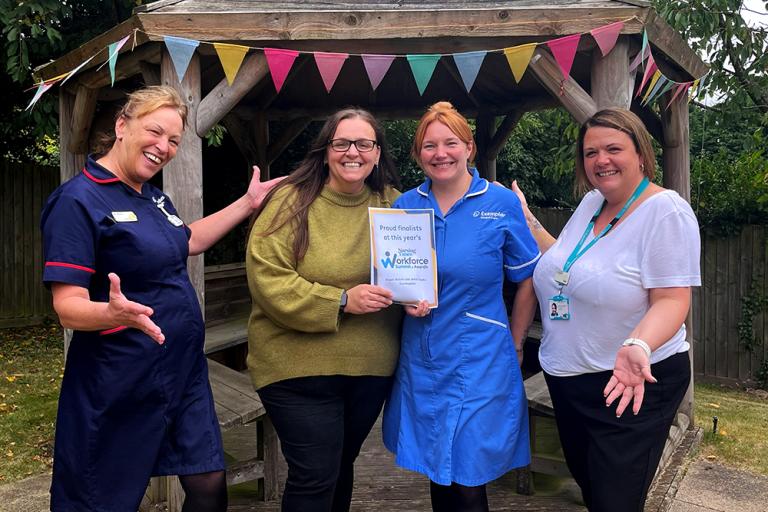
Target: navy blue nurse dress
{"points": [[129, 407], [457, 411]]}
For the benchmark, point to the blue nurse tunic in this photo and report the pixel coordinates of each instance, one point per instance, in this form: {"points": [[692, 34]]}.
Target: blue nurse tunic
{"points": [[129, 407], [458, 412]]}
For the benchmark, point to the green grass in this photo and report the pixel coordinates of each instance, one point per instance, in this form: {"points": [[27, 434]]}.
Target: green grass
{"points": [[741, 440], [31, 367]]}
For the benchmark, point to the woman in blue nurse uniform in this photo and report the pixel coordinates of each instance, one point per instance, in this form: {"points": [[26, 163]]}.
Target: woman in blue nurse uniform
{"points": [[457, 412], [135, 400]]}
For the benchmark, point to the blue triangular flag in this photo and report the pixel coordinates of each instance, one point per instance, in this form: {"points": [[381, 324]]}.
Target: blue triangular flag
{"points": [[422, 67], [657, 89], [114, 49], [469, 65], [181, 51]]}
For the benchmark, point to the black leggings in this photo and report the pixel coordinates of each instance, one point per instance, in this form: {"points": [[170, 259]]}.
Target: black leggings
{"points": [[205, 492], [458, 498]]}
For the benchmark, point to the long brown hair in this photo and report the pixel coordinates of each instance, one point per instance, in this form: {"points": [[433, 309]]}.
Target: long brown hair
{"points": [[309, 178]]}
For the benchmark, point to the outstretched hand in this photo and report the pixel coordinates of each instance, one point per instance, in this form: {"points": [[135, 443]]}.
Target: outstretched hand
{"points": [[630, 372], [258, 190], [131, 314]]}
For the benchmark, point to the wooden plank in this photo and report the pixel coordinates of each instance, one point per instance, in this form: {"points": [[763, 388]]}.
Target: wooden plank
{"points": [[6, 208], [223, 97], [710, 308], [676, 156], [85, 107], [759, 262], [274, 25], [183, 176], [504, 130], [228, 334], [286, 137], [569, 93], [733, 310], [612, 82], [485, 126], [746, 271], [538, 394], [721, 303], [245, 471]]}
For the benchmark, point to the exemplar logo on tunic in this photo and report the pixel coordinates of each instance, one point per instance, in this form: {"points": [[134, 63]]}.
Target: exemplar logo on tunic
{"points": [[403, 258], [489, 215]]}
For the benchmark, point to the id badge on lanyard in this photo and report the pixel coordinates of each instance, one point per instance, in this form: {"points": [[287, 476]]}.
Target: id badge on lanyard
{"points": [[559, 306]]}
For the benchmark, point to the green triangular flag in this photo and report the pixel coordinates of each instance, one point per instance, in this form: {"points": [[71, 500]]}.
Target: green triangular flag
{"points": [[422, 67]]}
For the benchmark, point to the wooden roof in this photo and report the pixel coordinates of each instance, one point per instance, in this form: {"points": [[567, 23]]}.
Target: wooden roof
{"points": [[385, 27]]}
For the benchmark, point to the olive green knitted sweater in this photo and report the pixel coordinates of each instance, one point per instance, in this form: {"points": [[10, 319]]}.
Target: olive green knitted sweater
{"points": [[295, 329]]}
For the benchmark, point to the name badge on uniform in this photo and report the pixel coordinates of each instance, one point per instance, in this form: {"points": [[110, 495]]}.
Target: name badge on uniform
{"points": [[559, 308], [124, 217]]}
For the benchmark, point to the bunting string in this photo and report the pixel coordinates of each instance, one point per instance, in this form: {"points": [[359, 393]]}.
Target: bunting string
{"points": [[280, 61]]}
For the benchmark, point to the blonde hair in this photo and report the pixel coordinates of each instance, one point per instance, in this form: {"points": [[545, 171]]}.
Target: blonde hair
{"points": [[140, 103], [445, 113], [624, 121]]}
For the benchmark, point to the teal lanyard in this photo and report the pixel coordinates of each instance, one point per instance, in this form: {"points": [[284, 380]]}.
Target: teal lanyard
{"points": [[578, 252]]}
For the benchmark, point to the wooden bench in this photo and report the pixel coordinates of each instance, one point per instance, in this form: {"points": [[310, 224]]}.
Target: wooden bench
{"points": [[238, 407]]}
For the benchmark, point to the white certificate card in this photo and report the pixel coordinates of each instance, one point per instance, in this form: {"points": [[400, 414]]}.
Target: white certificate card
{"points": [[403, 253]]}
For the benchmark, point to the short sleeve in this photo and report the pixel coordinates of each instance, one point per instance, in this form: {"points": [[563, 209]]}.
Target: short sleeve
{"points": [[69, 241], [671, 255], [520, 250]]}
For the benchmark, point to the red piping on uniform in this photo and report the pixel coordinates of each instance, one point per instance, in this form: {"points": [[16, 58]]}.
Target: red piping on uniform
{"points": [[113, 330], [99, 180], [69, 265]]}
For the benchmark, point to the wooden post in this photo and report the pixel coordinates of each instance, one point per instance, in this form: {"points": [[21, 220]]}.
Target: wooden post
{"points": [[183, 176], [261, 143], [612, 82], [69, 163], [82, 118], [677, 177], [485, 128], [569, 93]]}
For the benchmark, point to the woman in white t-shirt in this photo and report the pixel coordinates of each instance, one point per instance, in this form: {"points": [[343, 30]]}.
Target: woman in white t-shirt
{"points": [[614, 291]]}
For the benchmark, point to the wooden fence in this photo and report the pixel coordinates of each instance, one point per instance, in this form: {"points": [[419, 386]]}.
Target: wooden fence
{"points": [[23, 190], [731, 269]]}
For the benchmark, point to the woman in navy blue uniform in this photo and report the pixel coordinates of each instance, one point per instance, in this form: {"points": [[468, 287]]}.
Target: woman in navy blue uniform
{"points": [[135, 400], [457, 412]]}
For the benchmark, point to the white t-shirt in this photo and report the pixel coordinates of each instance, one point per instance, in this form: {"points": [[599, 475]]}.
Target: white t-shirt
{"points": [[656, 246]]}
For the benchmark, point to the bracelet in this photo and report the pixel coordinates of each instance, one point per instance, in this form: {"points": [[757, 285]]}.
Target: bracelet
{"points": [[640, 343]]}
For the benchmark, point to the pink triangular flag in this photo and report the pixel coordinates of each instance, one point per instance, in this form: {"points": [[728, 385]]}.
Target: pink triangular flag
{"points": [[377, 66], [650, 69], [680, 88], [41, 89], [564, 50], [644, 52], [606, 36], [329, 65], [279, 62]]}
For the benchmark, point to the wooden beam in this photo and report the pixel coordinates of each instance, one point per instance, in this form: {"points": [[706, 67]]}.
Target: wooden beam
{"points": [[612, 82], [238, 132], [569, 93], [666, 39], [223, 97], [651, 121], [150, 73], [676, 157], [288, 135], [284, 25], [260, 140], [82, 117], [503, 132], [485, 125], [129, 64], [183, 176], [70, 163]]}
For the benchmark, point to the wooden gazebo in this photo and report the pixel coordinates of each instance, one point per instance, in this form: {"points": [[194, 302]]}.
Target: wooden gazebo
{"points": [[392, 27]]}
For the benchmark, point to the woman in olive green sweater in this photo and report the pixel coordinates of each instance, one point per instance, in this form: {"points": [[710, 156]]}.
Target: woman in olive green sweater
{"points": [[323, 344]]}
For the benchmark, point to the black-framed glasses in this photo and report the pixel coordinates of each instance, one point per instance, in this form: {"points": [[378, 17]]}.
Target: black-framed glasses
{"points": [[362, 145]]}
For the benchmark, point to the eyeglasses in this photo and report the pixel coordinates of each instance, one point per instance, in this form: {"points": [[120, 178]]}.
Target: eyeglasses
{"points": [[362, 145]]}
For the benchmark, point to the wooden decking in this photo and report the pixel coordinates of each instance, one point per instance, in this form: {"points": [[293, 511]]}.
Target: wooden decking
{"points": [[380, 486]]}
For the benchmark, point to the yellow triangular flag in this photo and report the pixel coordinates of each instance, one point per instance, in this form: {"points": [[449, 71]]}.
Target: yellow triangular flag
{"points": [[518, 58], [655, 79], [692, 91], [231, 57]]}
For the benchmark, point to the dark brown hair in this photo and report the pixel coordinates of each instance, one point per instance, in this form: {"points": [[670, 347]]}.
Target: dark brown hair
{"points": [[309, 178], [624, 121]]}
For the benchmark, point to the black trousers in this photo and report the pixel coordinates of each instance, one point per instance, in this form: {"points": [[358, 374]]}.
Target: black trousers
{"points": [[614, 459], [322, 422]]}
